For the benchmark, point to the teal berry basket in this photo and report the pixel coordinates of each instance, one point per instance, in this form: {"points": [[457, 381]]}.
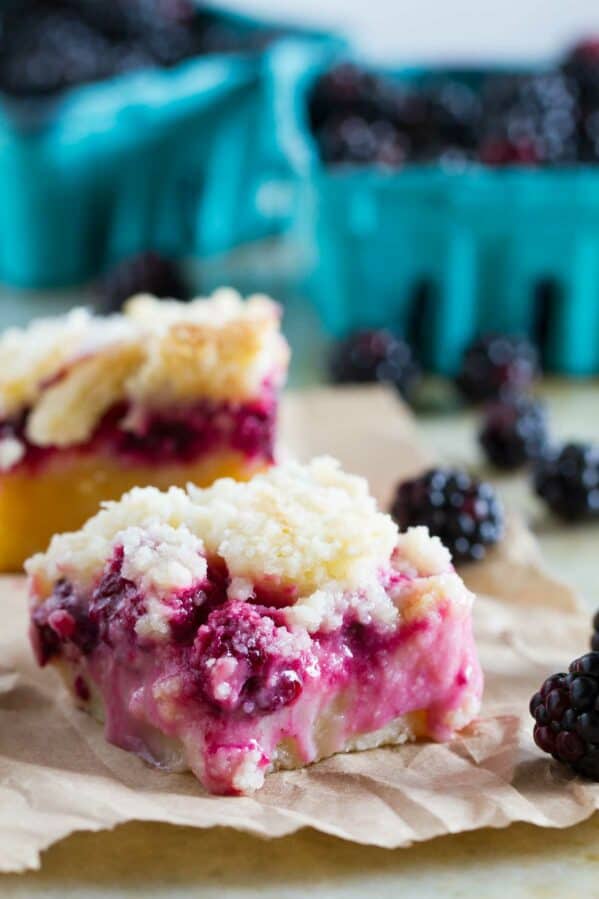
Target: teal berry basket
{"points": [[442, 256], [183, 160]]}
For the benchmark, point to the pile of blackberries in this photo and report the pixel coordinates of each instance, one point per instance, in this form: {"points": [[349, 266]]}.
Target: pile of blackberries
{"points": [[548, 117], [47, 46]]}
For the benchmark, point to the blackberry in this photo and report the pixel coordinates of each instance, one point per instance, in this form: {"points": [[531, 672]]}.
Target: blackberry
{"points": [[582, 66], [529, 119], [566, 713], [370, 356], [145, 273], [450, 126], [359, 117], [354, 141], [514, 432], [46, 48], [348, 91], [464, 513], [595, 637], [567, 479], [355, 116], [496, 366]]}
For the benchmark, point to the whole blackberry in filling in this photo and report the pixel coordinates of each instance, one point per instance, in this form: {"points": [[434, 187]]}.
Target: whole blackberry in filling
{"points": [[464, 513], [514, 432], [62, 618], [495, 366], [529, 119], [145, 273], [567, 479], [566, 713], [371, 356], [245, 660]]}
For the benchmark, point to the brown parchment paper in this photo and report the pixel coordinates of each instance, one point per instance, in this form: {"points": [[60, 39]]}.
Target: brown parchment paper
{"points": [[58, 775]]}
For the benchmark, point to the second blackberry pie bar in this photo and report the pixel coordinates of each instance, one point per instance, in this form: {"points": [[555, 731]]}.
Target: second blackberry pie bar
{"points": [[163, 394]]}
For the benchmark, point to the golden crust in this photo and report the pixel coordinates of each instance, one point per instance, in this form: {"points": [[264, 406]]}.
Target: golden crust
{"points": [[222, 358]]}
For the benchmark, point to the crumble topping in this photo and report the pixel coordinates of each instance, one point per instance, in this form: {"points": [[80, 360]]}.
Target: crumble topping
{"points": [[70, 369], [418, 598], [418, 554], [324, 610], [313, 528], [306, 526], [162, 558]]}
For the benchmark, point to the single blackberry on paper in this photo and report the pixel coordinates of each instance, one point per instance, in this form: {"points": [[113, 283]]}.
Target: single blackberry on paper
{"points": [[464, 513], [145, 273], [566, 713], [371, 356], [495, 366], [514, 432], [567, 479]]}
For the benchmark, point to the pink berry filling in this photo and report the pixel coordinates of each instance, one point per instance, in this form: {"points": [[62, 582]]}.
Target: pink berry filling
{"points": [[178, 435], [234, 682]]}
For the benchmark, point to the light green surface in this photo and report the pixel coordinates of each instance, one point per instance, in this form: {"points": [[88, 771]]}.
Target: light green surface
{"points": [[159, 861]]}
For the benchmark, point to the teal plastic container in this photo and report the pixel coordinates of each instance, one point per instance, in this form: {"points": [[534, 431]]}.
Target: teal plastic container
{"points": [[183, 160], [442, 256]]}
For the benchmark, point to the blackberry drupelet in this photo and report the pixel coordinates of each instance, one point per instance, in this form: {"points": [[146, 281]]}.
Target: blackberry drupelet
{"points": [[145, 273], [464, 513], [529, 119], [371, 356], [566, 713], [514, 432], [496, 366], [567, 479]]}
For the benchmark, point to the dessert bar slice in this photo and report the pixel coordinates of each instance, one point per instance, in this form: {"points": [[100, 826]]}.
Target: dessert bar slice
{"points": [[163, 394], [248, 627]]}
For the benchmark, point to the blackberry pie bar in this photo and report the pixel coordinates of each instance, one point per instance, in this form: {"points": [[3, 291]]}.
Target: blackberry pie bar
{"points": [[162, 394], [248, 627]]}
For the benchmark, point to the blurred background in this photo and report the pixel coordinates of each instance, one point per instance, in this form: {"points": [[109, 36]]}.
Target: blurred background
{"points": [[421, 168]]}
